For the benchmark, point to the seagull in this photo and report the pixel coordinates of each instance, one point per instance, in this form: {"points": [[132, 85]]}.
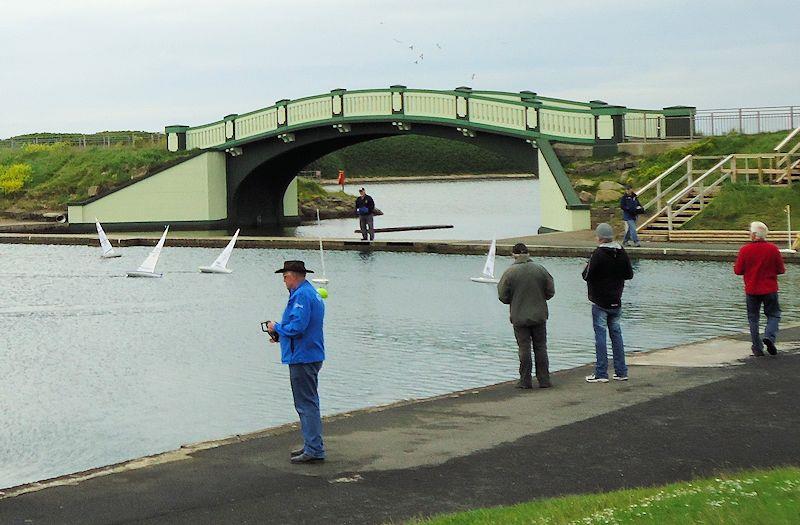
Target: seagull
{"points": [[437, 45], [473, 77], [420, 56], [398, 41], [411, 47]]}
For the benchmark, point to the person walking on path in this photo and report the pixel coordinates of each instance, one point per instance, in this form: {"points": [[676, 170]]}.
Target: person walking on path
{"points": [[303, 349], [605, 275], [527, 286], [631, 207], [760, 262], [365, 209]]}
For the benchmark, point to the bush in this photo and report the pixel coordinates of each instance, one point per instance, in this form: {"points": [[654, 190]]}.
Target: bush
{"points": [[13, 177]]}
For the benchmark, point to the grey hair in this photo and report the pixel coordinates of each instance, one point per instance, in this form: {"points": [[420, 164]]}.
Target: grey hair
{"points": [[759, 229]]}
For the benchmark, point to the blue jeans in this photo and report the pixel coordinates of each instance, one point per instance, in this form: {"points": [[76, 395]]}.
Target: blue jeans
{"points": [[773, 312], [608, 319], [631, 234], [306, 401]]}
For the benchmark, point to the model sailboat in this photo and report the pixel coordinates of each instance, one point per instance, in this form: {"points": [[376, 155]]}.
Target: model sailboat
{"points": [[220, 265], [488, 268], [148, 267], [324, 278], [105, 245]]}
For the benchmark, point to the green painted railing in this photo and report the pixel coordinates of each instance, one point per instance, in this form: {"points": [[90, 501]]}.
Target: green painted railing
{"points": [[523, 114]]}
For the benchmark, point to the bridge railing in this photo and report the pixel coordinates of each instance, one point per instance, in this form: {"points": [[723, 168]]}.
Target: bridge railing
{"points": [[523, 114]]}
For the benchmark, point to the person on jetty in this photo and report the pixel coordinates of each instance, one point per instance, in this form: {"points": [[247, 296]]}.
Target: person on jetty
{"points": [[605, 275], [631, 208], [760, 262], [365, 209], [303, 349], [527, 286]]}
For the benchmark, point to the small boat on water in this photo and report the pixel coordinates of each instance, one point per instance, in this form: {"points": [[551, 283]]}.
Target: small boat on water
{"points": [[148, 267], [107, 251], [220, 265], [488, 267]]}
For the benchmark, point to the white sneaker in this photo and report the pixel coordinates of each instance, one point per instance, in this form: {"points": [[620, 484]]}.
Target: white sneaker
{"points": [[594, 379], [619, 378]]}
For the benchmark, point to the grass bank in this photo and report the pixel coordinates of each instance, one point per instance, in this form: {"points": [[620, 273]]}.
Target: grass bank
{"points": [[738, 205], [765, 497], [59, 173], [415, 155]]}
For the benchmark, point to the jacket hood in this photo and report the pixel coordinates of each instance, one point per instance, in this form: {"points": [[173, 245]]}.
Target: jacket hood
{"points": [[613, 244]]}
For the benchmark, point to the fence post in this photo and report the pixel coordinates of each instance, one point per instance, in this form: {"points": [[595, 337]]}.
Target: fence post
{"points": [[658, 194], [741, 130], [689, 172], [791, 117], [758, 121], [712, 123]]}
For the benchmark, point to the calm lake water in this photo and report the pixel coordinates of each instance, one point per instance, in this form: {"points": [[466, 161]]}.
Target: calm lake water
{"points": [[476, 209], [97, 368]]}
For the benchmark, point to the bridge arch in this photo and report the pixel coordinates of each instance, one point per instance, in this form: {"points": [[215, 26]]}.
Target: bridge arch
{"points": [[252, 158]]}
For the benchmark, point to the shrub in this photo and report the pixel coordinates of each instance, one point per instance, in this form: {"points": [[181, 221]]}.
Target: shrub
{"points": [[13, 177]]}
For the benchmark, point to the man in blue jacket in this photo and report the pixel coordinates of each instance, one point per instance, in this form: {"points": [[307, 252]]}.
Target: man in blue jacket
{"points": [[303, 349], [631, 207]]}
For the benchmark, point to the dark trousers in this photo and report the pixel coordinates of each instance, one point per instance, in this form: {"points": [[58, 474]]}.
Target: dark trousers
{"points": [[772, 310], [533, 336], [367, 224], [304, 379]]}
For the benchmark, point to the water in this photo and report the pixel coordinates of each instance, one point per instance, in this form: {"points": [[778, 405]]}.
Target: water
{"points": [[98, 368], [476, 209]]}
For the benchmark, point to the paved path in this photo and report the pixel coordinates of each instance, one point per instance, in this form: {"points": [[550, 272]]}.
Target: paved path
{"points": [[688, 411]]}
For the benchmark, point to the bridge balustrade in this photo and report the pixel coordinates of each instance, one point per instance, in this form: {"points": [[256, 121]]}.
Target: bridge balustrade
{"points": [[525, 114]]}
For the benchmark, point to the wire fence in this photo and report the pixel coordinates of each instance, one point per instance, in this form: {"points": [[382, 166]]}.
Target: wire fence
{"points": [[84, 141]]}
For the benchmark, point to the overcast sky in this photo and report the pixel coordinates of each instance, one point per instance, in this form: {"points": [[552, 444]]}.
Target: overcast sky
{"points": [[93, 65]]}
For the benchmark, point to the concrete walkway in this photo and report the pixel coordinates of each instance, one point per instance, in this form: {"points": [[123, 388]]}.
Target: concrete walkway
{"points": [[687, 411]]}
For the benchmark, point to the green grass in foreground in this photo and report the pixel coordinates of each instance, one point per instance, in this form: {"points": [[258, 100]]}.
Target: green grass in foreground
{"points": [[767, 497], [738, 205]]}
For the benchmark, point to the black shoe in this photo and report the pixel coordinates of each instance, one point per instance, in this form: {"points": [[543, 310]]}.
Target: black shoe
{"points": [[545, 384], [757, 351], [524, 385], [770, 346], [297, 452], [305, 458]]}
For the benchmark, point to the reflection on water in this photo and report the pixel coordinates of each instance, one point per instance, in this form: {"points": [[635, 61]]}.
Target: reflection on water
{"points": [[98, 368], [476, 209]]}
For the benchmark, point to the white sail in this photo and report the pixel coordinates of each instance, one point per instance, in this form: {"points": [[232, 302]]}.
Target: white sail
{"points": [[149, 264], [324, 278], [488, 268], [105, 245], [222, 260]]}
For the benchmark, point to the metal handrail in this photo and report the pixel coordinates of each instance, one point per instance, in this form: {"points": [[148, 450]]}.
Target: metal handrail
{"points": [[669, 170], [657, 182], [678, 196]]}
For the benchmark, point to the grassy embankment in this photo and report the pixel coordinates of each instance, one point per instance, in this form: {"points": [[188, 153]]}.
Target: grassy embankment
{"points": [[46, 177], [737, 204], [766, 497], [410, 155]]}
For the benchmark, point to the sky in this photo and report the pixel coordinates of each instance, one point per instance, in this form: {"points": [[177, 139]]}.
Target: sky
{"points": [[95, 65]]}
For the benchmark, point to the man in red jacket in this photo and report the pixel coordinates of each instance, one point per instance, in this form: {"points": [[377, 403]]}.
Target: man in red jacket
{"points": [[760, 262]]}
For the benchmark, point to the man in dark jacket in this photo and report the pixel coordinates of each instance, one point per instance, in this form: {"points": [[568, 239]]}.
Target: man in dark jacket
{"points": [[365, 209], [631, 207], [605, 275], [760, 262], [527, 287]]}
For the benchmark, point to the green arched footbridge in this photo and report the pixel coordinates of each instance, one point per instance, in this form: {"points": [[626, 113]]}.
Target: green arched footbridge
{"points": [[243, 175]]}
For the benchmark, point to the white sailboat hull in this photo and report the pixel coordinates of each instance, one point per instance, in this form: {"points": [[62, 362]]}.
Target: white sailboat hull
{"points": [[486, 280], [214, 269], [320, 280], [111, 255], [137, 273]]}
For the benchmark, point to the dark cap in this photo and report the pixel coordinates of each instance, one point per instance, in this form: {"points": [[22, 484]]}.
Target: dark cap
{"points": [[519, 248], [294, 266]]}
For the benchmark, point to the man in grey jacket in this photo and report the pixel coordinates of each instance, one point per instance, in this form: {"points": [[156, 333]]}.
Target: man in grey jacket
{"points": [[527, 287]]}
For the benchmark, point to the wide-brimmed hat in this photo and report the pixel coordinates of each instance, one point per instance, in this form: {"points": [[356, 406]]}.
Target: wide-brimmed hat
{"points": [[294, 266]]}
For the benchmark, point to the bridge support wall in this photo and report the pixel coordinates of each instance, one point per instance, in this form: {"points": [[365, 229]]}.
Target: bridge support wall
{"points": [[193, 191], [561, 209]]}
